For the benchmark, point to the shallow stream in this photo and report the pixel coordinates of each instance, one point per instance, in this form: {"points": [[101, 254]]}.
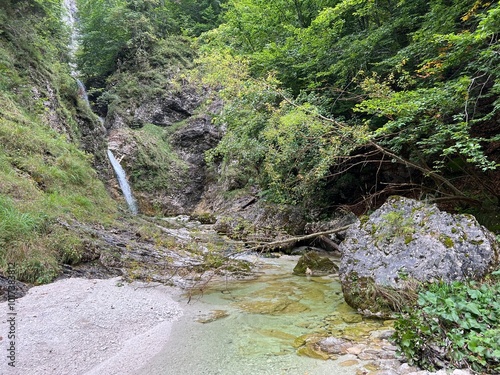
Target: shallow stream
{"points": [[250, 327]]}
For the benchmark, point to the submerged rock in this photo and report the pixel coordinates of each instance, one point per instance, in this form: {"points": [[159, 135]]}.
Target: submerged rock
{"points": [[407, 241], [273, 307]]}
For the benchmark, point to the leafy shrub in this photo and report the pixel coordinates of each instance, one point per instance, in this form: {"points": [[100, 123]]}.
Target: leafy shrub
{"points": [[453, 325]]}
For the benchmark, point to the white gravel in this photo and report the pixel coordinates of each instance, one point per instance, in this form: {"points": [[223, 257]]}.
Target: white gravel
{"points": [[81, 326]]}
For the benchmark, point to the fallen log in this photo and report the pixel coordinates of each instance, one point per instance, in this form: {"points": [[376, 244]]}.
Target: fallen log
{"points": [[326, 243], [293, 240]]}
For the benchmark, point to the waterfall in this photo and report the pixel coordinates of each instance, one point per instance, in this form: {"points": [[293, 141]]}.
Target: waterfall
{"points": [[124, 185], [83, 92], [69, 18]]}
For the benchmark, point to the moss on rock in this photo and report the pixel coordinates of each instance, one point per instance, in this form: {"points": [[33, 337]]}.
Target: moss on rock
{"points": [[313, 264]]}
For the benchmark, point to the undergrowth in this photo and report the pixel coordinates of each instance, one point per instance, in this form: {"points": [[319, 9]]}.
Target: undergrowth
{"points": [[45, 178], [454, 325]]}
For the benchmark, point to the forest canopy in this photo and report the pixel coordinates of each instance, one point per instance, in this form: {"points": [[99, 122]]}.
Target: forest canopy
{"points": [[323, 99]]}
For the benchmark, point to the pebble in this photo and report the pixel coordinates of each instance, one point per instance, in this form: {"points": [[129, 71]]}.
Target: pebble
{"points": [[356, 350], [366, 356]]}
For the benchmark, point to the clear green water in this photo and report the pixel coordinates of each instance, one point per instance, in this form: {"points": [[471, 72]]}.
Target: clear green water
{"points": [[249, 327]]}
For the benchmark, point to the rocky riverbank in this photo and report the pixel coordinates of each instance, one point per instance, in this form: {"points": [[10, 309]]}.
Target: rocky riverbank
{"points": [[134, 312], [90, 326]]}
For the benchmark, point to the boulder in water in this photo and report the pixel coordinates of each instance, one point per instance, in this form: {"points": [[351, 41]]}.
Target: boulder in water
{"points": [[311, 263], [406, 242]]}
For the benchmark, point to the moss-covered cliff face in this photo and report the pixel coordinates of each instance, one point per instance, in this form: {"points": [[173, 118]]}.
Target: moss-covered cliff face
{"points": [[49, 145]]}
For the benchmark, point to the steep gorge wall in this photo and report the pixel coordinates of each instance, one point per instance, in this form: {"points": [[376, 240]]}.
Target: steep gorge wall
{"points": [[51, 146]]}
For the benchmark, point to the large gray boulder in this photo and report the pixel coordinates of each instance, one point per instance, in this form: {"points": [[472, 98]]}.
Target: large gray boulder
{"points": [[405, 242]]}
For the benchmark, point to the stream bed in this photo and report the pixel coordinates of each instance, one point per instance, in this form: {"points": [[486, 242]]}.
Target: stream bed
{"points": [[252, 326]]}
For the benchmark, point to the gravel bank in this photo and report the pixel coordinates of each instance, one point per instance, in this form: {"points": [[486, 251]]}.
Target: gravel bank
{"points": [[81, 326]]}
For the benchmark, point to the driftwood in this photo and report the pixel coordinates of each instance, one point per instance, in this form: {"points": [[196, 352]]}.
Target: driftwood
{"points": [[326, 243], [292, 240]]}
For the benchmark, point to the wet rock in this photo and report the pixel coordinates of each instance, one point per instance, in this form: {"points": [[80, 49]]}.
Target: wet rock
{"points": [[213, 316], [10, 288], [273, 307], [309, 350], [313, 264], [335, 345], [303, 339], [352, 318], [407, 241]]}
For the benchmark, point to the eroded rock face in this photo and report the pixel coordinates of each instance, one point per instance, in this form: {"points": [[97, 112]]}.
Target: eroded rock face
{"points": [[190, 143], [407, 240], [168, 110], [163, 111]]}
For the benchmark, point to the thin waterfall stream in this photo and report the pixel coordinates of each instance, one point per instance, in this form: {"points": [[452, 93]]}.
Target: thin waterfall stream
{"points": [[69, 17], [124, 185]]}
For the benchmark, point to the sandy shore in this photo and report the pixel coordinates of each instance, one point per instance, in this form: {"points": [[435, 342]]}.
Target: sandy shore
{"points": [[81, 326]]}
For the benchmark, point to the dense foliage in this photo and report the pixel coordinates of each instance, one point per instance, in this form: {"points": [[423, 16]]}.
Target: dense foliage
{"points": [[418, 79], [116, 32], [323, 98], [454, 325]]}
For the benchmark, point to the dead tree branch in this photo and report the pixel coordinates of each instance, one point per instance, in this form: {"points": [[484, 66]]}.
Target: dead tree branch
{"points": [[292, 240]]}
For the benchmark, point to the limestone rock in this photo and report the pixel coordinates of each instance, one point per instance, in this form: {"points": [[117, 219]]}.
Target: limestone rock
{"points": [[406, 240], [335, 345]]}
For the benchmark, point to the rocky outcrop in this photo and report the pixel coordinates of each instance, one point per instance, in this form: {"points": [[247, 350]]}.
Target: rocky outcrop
{"points": [[167, 168], [190, 143], [407, 241], [63, 110], [165, 110]]}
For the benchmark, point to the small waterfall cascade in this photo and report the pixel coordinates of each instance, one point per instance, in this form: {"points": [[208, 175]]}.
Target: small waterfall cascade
{"points": [[69, 18], [123, 182], [82, 92]]}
